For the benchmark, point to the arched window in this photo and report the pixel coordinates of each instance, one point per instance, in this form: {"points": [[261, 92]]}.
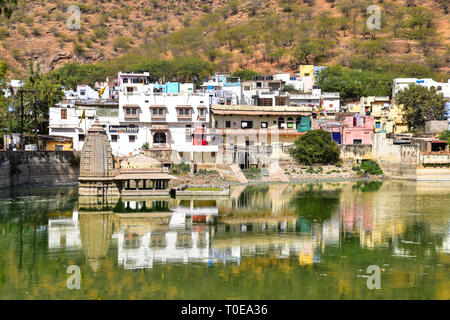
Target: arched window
{"points": [[280, 123], [290, 123]]}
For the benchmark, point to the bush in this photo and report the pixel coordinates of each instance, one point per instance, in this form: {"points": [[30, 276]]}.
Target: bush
{"points": [[445, 135], [182, 168], [369, 166], [315, 146], [122, 43]]}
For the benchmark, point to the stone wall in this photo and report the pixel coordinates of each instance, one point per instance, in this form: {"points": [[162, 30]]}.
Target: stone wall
{"points": [[355, 152], [38, 167]]}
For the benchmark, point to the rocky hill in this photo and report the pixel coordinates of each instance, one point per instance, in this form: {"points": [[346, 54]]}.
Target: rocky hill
{"points": [[265, 35]]}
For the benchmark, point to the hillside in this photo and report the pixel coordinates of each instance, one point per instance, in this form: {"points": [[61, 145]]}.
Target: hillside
{"points": [[264, 35]]}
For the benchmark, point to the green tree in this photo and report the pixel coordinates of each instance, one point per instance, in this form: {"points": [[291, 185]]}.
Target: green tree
{"points": [[421, 104], [315, 146], [245, 74], [48, 92]]}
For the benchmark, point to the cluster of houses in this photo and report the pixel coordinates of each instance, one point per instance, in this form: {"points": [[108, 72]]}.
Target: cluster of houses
{"points": [[223, 119]]}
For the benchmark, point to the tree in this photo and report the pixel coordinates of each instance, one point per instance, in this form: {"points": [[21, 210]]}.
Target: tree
{"points": [[48, 92], [6, 7], [245, 74], [315, 146], [4, 101], [421, 104]]}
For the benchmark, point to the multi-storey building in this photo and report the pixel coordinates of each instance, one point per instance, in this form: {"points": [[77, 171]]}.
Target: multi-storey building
{"points": [[165, 118]]}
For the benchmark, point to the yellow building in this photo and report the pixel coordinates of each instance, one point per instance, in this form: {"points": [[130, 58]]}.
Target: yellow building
{"points": [[306, 70]]}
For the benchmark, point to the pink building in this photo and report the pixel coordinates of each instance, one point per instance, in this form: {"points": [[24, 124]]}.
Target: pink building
{"points": [[358, 130]]}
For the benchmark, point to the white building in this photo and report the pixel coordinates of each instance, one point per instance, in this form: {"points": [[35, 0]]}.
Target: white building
{"points": [[65, 119], [170, 119], [223, 89], [329, 100], [402, 83], [290, 80]]}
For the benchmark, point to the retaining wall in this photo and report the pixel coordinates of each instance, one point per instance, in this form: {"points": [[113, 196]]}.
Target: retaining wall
{"points": [[38, 167]]}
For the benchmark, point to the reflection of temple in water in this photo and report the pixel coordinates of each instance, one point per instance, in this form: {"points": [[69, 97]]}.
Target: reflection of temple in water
{"points": [[253, 221], [96, 231]]}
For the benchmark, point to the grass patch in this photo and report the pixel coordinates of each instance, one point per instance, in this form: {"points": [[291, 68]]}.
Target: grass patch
{"points": [[203, 189]]}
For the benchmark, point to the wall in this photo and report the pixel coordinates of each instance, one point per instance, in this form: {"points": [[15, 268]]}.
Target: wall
{"points": [[436, 126], [355, 152], [33, 167]]}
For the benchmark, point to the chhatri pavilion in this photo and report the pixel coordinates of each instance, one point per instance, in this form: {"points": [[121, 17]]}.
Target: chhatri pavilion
{"points": [[138, 175]]}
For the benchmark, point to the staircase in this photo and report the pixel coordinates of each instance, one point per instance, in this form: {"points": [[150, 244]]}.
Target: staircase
{"points": [[277, 174], [238, 173], [231, 172]]}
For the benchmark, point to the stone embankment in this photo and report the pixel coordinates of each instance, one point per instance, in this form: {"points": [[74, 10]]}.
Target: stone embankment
{"points": [[38, 167]]}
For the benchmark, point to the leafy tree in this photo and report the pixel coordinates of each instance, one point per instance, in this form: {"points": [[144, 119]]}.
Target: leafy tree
{"points": [[421, 104], [48, 92], [445, 135], [245, 74], [315, 146], [353, 84]]}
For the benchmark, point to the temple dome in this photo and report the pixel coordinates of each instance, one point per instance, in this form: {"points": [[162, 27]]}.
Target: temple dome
{"points": [[96, 155]]}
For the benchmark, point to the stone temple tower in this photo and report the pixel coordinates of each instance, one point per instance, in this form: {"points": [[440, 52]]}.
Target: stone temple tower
{"points": [[96, 164]]}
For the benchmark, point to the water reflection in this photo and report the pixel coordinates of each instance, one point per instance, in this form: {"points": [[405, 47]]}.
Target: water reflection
{"points": [[264, 241], [296, 222]]}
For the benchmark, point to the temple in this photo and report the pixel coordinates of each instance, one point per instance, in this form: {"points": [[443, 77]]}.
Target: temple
{"points": [[138, 175]]}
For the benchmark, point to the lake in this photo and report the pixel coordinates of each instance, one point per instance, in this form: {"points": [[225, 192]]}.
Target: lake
{"points": [[265, 241]]}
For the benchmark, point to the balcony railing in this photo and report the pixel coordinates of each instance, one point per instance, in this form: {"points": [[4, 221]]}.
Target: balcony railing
{"points": [[131, 116]]}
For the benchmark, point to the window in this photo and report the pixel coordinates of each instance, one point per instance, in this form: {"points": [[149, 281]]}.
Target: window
{"points": [[82, 93], [130, 89], [58, 147], [265, 102], [64, 114], [281, 124], [306, 74], [114, 138], [280, 101], [227, 124], [246, 88], [264, 124], [160, 111], [357, 141], [159, 137], [81, 137], [125, 80], [155, 111], [290, 123], [201, 111], [247, 124], [216, 124], [377, 125], [258, 85], [131, 138]]}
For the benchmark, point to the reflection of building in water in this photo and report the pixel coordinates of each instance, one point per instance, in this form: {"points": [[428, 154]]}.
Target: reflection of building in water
{"points": [[96, 231], [144, 240], [64, 233]]}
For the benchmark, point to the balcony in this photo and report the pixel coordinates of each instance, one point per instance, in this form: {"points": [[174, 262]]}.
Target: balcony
{"points": [[131, 117], [158, 117]]}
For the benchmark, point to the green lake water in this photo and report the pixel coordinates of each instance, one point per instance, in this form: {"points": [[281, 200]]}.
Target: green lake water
{"points": [[274, 241]]}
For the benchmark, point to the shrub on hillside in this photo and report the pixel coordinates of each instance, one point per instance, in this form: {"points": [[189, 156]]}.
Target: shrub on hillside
{"points": [[315, 146]]}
